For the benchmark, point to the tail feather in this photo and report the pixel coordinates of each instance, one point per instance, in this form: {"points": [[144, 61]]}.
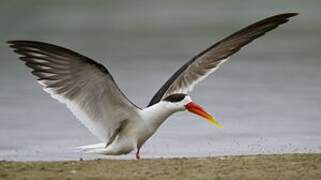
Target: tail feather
{"points": [[103, 151], [101, 148], [92, 147]]}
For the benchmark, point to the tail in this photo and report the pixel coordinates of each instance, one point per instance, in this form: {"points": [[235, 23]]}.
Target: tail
{"points": [[99, 148]]}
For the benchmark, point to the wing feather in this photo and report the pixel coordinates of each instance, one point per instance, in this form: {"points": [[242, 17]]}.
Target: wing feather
{"points": [[85, 86], [208, 61]]}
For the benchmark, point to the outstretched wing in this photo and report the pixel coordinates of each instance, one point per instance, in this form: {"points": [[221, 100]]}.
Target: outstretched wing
{"points": [[195, 70], [85, 86]]}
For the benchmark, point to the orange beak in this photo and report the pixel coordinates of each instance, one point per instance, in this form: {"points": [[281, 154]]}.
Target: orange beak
{"points": [[197, 109]]}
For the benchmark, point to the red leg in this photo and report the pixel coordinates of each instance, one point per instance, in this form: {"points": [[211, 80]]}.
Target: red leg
{"points": [[137, 154]]}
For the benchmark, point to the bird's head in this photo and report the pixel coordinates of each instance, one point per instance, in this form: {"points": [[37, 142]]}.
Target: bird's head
{"points": [[181, 102]]}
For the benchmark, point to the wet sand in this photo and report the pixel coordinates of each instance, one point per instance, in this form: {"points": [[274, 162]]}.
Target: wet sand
{"points": [[285, 167]]}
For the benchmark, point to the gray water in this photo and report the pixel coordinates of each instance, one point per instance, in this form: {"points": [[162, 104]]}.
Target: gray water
{"points": [[268, 96]]}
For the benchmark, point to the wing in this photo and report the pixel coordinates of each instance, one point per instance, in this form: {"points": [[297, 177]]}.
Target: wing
{"points": [[85, 86], [195, 70]]}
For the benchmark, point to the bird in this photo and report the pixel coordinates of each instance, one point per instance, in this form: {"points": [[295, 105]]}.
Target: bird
{"points": [[88, 89]]}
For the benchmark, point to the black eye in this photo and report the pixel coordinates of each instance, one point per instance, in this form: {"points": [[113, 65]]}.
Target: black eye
{"points": [[175, 97]]}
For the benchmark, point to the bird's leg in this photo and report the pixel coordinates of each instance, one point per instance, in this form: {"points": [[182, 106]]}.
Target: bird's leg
{"points": [[137, 153]]}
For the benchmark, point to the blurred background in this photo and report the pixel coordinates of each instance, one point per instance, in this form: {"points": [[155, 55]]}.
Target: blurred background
{"points": [[268, 96]]}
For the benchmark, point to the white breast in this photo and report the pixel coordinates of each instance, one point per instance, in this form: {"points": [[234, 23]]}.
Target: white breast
{"points": [[138, 130]]}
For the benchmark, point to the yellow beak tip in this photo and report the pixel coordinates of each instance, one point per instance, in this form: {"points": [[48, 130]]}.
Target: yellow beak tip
{"points": [[220, 126], [215, 123]]}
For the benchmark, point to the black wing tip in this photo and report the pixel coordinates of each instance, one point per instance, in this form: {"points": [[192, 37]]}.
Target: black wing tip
{"points": [[14, 42], [283, 16], [44, 46], [26, 42], [280, 18], [11, 42], [22, 41], [17, 44], [291, 14], [286, 15]]}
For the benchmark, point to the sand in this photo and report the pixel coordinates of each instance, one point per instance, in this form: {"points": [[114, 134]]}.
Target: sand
{"points": [[288, 166]]}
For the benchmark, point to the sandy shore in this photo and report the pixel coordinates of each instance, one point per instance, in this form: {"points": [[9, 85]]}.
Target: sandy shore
{"points": [[289, 166]]}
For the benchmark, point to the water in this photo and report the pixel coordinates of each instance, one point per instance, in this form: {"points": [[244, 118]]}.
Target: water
{"points": [[268, 96]]}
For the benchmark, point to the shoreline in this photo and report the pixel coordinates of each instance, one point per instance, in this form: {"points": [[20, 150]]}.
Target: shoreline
{"points": [[279, 166]]}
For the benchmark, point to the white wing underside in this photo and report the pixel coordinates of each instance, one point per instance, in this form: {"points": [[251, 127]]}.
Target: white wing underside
{"points": [[86, 87], [97, 114], [189, 82]]}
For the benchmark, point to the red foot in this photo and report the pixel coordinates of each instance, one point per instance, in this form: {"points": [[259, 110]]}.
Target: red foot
{"points": [[137, 154]]}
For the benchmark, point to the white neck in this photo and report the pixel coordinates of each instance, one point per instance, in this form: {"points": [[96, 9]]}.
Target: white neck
{"points": [[157, 113]]}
